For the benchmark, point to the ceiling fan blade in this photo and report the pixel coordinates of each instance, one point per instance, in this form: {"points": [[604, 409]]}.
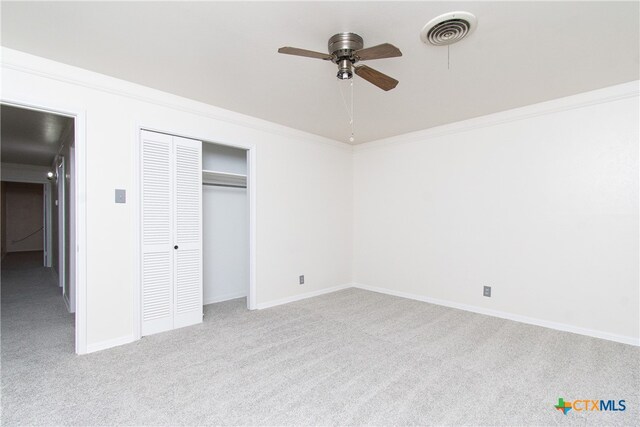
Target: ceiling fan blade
{"points": [[303, 52], [375, 77], [384, 50]]}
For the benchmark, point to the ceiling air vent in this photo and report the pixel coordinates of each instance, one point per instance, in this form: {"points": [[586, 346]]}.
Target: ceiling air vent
{"points": [[448, 28]]}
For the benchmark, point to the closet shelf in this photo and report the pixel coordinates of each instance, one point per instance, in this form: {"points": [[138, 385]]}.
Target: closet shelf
{"points": [[224, 179]]}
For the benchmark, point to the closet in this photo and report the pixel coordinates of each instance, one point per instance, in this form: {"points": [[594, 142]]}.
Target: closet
{"points": [[194, 229], [171, 212], [225, 223]]}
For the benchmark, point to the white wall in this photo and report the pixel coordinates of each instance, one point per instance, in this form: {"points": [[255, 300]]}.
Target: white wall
{"points": [[541, 203], [225, 228], [220, 158], [304, 210]]}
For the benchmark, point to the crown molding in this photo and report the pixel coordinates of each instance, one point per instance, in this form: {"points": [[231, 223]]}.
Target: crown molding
{"points": [[582, 100], [26, 63], [42, 67]]}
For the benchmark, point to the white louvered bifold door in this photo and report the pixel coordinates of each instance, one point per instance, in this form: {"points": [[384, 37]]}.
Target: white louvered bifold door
{"points": [[188, 232], [157, 303]]}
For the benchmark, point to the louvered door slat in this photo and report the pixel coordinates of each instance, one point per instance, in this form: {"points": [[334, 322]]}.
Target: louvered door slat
{"points": [[188, 232], [157, 233]]}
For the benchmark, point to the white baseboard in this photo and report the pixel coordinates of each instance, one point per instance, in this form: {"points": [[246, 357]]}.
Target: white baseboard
{"points": [[70, 309], [474, 309], [65, 298], [299, 297], [509, 316], [103, 345], [225, 297]]}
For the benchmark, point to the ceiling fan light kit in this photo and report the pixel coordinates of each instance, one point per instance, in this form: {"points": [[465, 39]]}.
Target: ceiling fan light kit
{"points": [[345, 50], [344, 70]]}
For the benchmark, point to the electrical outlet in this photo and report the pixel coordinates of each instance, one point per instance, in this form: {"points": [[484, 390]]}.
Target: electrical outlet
{"points": [[487, 291], [301, 280]]}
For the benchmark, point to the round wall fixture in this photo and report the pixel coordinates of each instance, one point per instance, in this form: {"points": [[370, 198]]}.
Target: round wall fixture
{"points": [[448, 28]]}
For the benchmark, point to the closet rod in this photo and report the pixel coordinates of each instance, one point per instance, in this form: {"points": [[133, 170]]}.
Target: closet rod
{"points": [[224, 185]]}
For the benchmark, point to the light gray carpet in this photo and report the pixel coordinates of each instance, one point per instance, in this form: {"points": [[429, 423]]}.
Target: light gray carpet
{"points": [[348, 358]]}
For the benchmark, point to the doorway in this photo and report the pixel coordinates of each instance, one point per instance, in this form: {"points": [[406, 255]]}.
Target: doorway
{"points": [[225, 223], [38, 217]]}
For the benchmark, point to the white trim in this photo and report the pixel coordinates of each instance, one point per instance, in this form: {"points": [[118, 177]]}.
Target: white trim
{"points": [[47, 224], [80, 118], [224, 297], [31, 64], [504, 315], [252, 180], [581, 100], [299, 297], [81, 307], [135, 199], [72, 221], [61, 171], [103, 345]]}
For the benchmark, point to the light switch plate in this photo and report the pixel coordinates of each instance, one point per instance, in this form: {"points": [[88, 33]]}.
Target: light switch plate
{"points": [[121, 196]]}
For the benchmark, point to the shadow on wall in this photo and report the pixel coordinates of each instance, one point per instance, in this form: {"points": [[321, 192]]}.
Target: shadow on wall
{"points": [[22, 217]]}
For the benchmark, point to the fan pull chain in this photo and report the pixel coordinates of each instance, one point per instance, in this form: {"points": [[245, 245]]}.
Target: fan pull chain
{"points": [[448, 56], [348, 108], [351, 138]]}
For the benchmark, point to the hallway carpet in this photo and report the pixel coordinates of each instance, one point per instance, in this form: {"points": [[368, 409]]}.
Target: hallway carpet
{"points": [[23, 260], [348, 358]]}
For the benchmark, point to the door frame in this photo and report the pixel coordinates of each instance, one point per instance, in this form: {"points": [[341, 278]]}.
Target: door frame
{"points": [[47, 235], [61, 171], [136, 199], [79, 231]]}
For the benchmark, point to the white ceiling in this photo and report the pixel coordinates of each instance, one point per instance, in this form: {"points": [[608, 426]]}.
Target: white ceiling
{"points": [[30, 137], [225, 54]]}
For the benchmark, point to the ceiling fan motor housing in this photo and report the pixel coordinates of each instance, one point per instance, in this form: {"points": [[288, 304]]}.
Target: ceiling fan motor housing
{"points": [[343, 47]]}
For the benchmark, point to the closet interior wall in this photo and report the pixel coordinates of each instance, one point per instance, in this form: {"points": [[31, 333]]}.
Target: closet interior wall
{"points": [[225, 227]]}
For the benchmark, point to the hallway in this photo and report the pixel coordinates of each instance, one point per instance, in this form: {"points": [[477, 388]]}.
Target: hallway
{"points": [[32, 304], [36, 326]]}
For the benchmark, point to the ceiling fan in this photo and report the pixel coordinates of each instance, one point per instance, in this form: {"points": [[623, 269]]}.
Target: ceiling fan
{"points": [[345, 50]]}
